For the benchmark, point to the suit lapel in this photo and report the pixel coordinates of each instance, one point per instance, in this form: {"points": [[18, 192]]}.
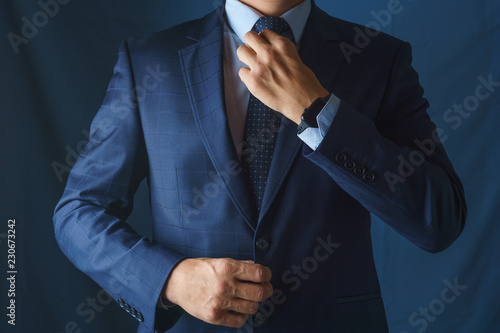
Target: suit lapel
{"points": [[320, 51], [202, 69]]}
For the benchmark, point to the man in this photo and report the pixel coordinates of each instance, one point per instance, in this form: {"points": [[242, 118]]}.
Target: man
{"points": [[265, 148]]}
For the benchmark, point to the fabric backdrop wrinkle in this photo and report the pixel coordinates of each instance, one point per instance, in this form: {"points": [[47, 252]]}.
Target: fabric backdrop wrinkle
{"points": [[52, 88]]}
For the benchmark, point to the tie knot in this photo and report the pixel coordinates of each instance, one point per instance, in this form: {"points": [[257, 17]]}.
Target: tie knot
{"points": [[273, 23]]}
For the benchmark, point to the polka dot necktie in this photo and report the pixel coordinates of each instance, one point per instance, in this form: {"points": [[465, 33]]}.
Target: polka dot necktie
{"points": [[261, 127]]}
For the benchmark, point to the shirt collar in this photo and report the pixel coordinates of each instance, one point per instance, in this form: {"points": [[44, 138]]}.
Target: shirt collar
{"points": [[242, 18]]}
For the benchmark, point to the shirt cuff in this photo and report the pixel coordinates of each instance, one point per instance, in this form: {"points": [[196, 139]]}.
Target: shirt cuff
{"points": [[313, 136]]}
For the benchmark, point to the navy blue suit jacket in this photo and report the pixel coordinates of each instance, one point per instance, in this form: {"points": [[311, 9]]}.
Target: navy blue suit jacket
{"points": [[163, 119]]}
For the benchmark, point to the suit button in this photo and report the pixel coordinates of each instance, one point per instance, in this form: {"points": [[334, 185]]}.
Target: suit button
{"points": [[259, 319], [350, 164], [341, 157], [139, 317], [262, 244], [120, 302], [369, 177], [359, 171]]}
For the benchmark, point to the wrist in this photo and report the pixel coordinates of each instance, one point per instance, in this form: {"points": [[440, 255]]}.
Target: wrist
{"points": [[309, 115], [171, 286]]}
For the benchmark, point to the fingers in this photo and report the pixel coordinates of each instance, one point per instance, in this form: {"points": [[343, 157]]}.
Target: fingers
{"points": [[221, 291], [269, 36], [254, 292], [253, 44], [279, 45], [225, 318], [263, 42], [245, 76], [255, 41], [243, 306], [252, 272], [246, 55]]}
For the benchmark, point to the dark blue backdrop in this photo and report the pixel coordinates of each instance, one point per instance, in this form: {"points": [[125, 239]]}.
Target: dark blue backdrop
{"points": [[54, 70]]}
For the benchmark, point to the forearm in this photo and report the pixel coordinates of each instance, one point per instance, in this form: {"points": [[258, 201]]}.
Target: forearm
{"points": [[128, 266], [427, 206]]}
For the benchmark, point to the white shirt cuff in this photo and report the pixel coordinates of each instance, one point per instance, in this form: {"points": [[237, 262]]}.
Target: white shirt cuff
{"points": [[313, 136]]}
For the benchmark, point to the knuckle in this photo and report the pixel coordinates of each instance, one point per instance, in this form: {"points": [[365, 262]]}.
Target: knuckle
{"points": [[269, 54], [225, 267], [257, 71], [253, 308], [222, 288], [212, 315], [260, 295], [282, 43], [248, 36], [217, 304], [260, 273]]}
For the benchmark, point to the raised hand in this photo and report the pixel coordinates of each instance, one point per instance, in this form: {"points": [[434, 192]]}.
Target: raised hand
{"points": [[277, 76]]}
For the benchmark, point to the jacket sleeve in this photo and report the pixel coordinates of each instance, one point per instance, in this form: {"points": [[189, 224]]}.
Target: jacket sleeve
{"points": [[90, 218], [395, 164]]}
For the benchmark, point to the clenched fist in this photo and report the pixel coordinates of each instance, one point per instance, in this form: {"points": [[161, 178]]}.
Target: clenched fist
{"points": [[218, 291], [277, 76]]}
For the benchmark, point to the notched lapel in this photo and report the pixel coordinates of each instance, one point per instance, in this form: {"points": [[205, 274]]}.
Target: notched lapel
{"points": [[203, 75]]}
